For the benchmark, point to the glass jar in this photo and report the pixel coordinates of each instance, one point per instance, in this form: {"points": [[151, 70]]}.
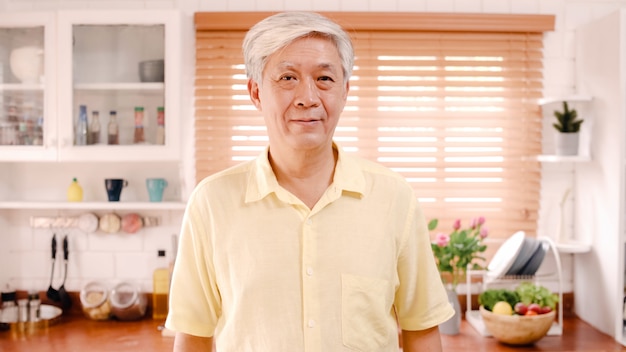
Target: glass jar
{"points": [[94, 298], [128, 302]]}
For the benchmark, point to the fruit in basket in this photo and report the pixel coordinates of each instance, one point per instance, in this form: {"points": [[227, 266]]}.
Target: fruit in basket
{"points": [[534, 307], [503, 308], [517, 329], [520, 308]]}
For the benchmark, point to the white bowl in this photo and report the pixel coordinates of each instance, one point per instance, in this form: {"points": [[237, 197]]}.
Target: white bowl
{"points": [[27, 63], [152, 71]]}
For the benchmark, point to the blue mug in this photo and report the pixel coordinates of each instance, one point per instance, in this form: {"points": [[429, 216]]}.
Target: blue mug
{"points": [[155, 188]]}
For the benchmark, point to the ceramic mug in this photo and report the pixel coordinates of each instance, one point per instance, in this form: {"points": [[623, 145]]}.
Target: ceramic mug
{"points": [[114, 188], [155, 188]]}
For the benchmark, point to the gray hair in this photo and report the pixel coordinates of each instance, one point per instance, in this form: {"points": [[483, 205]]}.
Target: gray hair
{"points": [[277, 31]]}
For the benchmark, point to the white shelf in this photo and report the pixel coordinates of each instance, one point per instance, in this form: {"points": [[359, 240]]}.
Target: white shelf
{"points": [[572, 98], [21, 86], [42, 205], [563, 158], [573, 247], [156, 86]]}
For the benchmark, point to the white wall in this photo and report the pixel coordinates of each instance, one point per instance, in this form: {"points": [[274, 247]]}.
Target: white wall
{"points": [[24, 251]]}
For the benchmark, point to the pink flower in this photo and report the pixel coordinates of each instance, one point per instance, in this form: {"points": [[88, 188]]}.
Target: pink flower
{"points": [[457, 224], [477, 222], [442, 239], [484, 232]]}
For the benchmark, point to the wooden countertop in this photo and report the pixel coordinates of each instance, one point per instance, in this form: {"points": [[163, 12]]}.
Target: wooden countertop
{"points": [[76, 333]]}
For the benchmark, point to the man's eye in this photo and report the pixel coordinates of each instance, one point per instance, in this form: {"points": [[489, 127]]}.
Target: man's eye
{"points": [[287, 78], [326, 78]]}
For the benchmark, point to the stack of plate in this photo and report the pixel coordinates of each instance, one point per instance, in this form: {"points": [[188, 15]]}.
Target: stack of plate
{"points": [[518, 256]]}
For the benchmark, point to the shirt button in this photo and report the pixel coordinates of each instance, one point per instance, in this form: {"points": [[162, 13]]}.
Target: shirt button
{"points": [[309, 222], [311, 323], [309, 271]]}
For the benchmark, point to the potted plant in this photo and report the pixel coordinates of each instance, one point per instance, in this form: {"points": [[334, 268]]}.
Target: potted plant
{"points": [[454, 252], [568, 127]]}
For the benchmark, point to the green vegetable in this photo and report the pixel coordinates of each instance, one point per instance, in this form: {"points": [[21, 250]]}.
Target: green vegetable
{"points": [[492, 296], [531, 293]]}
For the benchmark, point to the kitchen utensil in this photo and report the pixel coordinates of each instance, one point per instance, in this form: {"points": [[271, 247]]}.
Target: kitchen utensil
{"points": [[64, 297], [52, 293]]}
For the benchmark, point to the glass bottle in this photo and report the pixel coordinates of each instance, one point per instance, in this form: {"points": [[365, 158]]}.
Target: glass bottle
{"points": [[160, 132], [94, 128], [161, 287], [139, 136], [81, 127], [113, 129]]}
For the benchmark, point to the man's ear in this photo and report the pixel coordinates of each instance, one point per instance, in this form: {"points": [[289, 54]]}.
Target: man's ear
{"points": [[253, 91]]}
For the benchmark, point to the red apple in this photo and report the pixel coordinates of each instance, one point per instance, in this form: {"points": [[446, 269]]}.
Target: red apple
{"points": [[521, 308], [534, 307], [545, 310]]}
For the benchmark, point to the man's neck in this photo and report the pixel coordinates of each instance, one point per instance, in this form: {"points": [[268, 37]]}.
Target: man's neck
{"points": [[305, 174]]}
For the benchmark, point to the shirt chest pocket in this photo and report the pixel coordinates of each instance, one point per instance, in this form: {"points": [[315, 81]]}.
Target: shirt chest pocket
{"points": [[365, 312]]}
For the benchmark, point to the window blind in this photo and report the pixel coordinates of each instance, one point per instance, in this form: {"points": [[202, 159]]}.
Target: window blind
{"points": [[453, 110]]}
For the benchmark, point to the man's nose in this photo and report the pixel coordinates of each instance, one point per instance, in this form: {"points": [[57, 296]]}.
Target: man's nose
{"points": [[307, 94]]}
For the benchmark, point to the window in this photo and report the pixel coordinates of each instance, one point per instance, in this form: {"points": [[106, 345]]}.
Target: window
{"points": [[449, 101]]}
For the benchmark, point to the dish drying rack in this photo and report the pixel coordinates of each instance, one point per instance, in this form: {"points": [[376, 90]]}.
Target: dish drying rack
{"points": [[474, 318]]}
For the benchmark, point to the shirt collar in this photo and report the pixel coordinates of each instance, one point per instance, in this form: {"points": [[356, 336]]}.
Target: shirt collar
{"points": [[262, 181]]}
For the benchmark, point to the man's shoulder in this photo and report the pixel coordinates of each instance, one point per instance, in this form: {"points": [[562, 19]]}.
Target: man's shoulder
{"points": [[226, 176], [374, 168]]}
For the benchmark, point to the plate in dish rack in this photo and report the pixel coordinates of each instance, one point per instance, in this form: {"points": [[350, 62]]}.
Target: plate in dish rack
{"points": [[506, 255]]}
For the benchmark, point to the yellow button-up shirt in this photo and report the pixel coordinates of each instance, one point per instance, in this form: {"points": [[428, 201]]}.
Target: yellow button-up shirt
{"points": [[260, 271]]}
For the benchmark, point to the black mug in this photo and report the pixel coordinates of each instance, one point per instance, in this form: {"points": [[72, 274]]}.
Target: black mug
{"points": [[114, 188]]}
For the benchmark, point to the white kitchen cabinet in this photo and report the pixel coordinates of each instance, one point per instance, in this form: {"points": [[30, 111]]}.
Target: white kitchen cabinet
{"points": [[600, 184], [92, 58], [28, 110]]}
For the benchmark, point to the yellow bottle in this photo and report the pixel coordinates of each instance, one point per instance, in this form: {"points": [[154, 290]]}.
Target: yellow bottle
{"points": [[75, 192], [161, 288]]}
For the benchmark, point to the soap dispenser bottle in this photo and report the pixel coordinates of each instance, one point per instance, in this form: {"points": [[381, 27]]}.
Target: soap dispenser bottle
{"points": [[75, 191]]}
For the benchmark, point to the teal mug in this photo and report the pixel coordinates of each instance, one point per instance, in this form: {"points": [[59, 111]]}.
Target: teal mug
{"points": [[155, 188]]}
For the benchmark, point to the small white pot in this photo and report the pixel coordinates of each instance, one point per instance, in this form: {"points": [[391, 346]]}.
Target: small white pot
{"points": [[27, 63], [567, 143]]}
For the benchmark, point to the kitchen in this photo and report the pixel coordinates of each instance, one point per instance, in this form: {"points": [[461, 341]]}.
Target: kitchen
{"points": [[119, 256]]}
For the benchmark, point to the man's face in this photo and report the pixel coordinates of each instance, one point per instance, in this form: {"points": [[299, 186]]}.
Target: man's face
{"points": [[302, 94]]}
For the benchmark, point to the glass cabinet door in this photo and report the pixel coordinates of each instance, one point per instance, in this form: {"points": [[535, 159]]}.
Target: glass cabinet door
{"points": [[123, 100], [119, 80], [26, 116]]}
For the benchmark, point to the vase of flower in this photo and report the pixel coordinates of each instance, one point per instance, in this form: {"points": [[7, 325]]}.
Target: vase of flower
{"points": [[454, 253], [453, 325]]}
